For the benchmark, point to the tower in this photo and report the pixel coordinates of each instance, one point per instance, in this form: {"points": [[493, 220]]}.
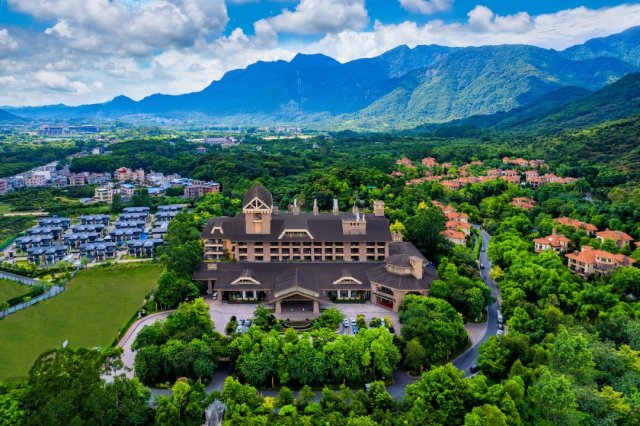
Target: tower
{"points": [[257, 209]]}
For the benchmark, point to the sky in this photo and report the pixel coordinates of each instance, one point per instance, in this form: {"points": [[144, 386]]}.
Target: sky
{"points": [[87, 51]]}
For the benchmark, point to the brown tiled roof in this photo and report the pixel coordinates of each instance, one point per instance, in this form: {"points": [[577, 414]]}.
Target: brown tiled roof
{"points": [[452, 234], [574, 223], [588, 256], [553, 240], [614, 235]]}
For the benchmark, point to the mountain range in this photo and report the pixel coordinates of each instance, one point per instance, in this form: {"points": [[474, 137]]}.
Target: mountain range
{"points": [[403, 87]]}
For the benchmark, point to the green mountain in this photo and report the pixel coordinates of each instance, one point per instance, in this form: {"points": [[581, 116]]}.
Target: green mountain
{"points": [[400, 88], [624, 46], [486, 80], [566, 108], [8, 117]]}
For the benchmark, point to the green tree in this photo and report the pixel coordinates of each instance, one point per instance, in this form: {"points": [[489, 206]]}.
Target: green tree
{"points": [[415, 356], [485, 415]]}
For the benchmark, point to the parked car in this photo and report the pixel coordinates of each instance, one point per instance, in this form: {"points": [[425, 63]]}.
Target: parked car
{"points": [[353, 321], [241, 322], [355, 329], [499, 332], [345, 323], [482, 266], [214, 295], [474, 369]]}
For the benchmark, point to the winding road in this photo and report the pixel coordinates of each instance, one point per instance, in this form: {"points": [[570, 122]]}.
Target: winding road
{"points": [[401, 378], [470, 356]]}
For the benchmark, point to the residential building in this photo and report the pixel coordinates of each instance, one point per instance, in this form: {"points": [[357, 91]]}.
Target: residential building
{"points": [[104, 194], [126, 191], [457, 225], [75, 240], [556, 242], [298, 259], [199, 189], [98, 251], [523, 203], [620, 238], [46, 255], [405, 162], [429, 162], [590, 261], [77, 179], [143, 248], [574, 223], [455, 237], [35, 180], [61, 222], [95, 219], [37, 231]]}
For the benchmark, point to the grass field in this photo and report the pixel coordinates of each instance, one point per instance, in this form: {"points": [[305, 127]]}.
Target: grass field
{"points": [[88, 313], [10, 289]]}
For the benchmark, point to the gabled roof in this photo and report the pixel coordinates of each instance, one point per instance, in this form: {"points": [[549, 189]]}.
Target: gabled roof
{"points": [[260, 192]]}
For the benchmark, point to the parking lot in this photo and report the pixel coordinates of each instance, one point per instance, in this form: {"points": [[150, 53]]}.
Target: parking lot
{"points": [[221, 313]]}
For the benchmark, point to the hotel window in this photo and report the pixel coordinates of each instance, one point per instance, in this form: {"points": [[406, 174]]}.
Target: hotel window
{"points": [[355, 250], [344, 294], [355, 258], [339, 251], [243, 258], [242, 250], [285, 251], [259, 259], [274, 250]]}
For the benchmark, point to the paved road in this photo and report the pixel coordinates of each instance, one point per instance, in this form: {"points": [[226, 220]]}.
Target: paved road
{"points": [[470, 357]]}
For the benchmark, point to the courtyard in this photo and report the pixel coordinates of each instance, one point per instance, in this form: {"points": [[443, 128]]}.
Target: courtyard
{"points": [[221, 312]]}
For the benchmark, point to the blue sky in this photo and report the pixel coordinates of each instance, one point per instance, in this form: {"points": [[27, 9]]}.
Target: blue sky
{"points": [[83, 51]]}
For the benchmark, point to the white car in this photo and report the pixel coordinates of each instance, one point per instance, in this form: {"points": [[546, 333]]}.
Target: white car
{"points": [[353, 321], [345, 323], [499, 332]]}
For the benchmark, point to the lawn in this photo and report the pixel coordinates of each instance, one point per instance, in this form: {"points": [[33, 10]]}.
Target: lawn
{"points": [[11, 289], [89, 313]]}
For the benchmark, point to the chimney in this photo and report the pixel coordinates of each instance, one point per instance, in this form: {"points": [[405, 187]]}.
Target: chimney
{"points": [[316, 211], [356, 210], [378, 208], [336, 210], [295, 210], [417, 264]]}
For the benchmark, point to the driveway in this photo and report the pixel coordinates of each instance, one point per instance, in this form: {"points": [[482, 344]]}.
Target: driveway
{"points": [[221, 312], [369, 310]]}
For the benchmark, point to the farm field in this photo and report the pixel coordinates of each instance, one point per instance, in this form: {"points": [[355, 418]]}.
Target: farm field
{"points": [[88, 314]]}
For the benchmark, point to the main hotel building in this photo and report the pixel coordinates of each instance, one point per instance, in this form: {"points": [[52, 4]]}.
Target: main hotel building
{"points": [[301, 258]]}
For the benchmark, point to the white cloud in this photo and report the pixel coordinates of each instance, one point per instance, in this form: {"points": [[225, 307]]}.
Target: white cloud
{"points": [[426, 6], [7, 43], [59, 82], [555, 30], [134, 28], [86, 59], [321, 16]]}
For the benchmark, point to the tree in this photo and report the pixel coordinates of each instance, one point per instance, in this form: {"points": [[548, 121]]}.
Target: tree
{"points": [[263, 317], [494, 357], [444, 392], [485, 415], [626, 280], [184, 407], [285, 397], [553, 399], [51, 398], [435, 324], [141, 198], [116, 204], [414, 356], [173, 290], [424, 230], [330, 318]]}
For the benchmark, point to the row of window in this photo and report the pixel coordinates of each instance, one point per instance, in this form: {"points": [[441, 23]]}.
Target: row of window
{"points": [[299, 258]]}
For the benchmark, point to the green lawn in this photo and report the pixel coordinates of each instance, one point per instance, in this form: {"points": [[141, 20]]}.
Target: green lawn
{"points": [[11, 289], [89, 313], [4, 208]]}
